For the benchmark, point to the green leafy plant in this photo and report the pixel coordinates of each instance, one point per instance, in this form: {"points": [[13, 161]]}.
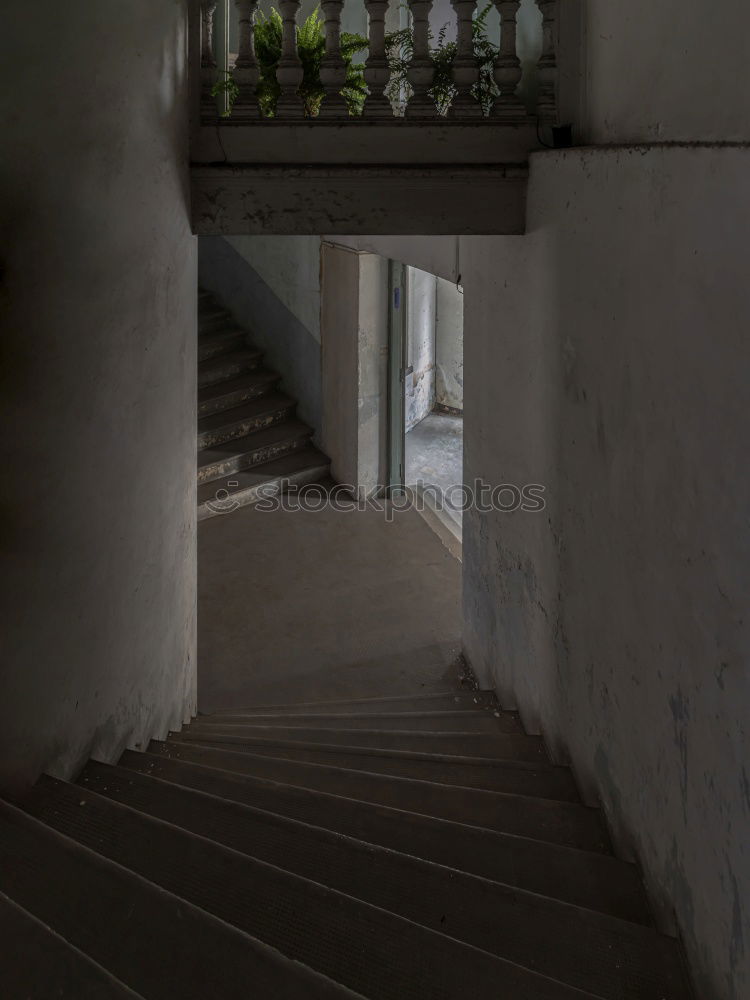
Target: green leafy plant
{"points": [[311, 49], [400, 49]]}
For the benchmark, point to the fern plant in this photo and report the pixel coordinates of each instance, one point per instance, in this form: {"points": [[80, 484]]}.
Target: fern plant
{"points": [[311, 49], [400, 49]]}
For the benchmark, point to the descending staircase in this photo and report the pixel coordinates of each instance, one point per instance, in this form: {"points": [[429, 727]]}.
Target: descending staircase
{"points": [[248, 436], [416, 848]]}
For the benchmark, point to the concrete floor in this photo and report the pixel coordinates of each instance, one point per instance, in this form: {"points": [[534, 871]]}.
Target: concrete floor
{"points": [[299, 606], [435, 455]]}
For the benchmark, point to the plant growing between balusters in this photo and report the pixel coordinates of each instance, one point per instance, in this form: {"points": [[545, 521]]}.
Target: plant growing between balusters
{"points": [[399, 46], [311, 49]]}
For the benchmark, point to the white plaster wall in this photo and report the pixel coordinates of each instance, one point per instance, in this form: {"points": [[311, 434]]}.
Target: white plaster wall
{"points": [[667, 71], [449, 345], [290, 266], [419, 385], [617, 619], [437, 254], [97, 305]]}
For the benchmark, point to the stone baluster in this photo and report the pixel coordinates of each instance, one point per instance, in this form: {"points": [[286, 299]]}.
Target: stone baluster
{"points": [[246, 73], [465, 69], [332, 69], [421, 71], [377, 72], [507, 70], [547, 66], [208, 58], [289, 72]]}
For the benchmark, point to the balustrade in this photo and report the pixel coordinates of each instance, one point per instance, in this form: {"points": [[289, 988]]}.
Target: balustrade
{"points": [[423, 101]]}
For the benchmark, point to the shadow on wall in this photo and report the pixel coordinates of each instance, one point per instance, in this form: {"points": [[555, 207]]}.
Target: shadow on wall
{"points": [[271, 285]]}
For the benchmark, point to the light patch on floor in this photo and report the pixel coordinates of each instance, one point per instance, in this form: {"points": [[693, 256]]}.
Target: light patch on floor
{"points": [[435, 456]]}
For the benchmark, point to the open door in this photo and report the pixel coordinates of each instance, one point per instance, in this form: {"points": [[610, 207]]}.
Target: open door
{"points": [[397, 345]]}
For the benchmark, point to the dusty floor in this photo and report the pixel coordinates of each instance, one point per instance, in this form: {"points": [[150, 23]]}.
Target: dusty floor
{"points": [[435, 455], [299, 605]]}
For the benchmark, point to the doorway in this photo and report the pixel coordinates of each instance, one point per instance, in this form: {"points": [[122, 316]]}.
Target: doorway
{"points": [[426, 392]]}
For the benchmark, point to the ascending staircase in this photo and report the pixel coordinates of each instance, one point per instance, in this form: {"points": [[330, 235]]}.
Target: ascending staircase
{"points": [[393, 849], [248, 436]]}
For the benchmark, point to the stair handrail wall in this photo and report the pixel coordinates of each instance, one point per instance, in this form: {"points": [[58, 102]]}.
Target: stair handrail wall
{"points": [[242, 70]]}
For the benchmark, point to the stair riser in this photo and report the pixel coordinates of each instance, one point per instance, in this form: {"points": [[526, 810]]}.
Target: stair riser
{"points": [[239, 463], [212, 319], [220, 403], [231, 369], [512, 779], [527, 748], [469, 700], [244, 498], [479, 722], [597, 881], [216, 345], [544, 819], [241, 428]]}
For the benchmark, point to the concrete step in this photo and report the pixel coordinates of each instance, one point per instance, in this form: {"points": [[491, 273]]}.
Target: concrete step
{"points": [[228, 366], [438, 701], [293, 470], [479, 722], [470, 744], [37, 963], [515, 777], [254, 415], [212, 316], [233, 392], [263, 445], [553, 938], [220, 341], [157, 943], [374, 952], [567, 823], [589, 879]]}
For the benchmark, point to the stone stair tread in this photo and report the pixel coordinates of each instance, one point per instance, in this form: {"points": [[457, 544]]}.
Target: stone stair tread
{"points": [[256, 379], [590, 879], [252, 408], [153, 940], [470, 700], [35, 962], [546, 935], [554, 821], [519, 777], [501, 746], [375, 952], [227, 365], [220, 341], [302, 465], [289, 429], [482, 721]]}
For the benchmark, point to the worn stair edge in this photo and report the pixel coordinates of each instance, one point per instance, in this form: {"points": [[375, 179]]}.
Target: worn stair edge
{"points": [[555, 822], [254, 415], [545, 935], [473, 699], [266, 444], [499, 747], [227, 366], [378, 954], [301, 467], [482, 721], [226, 395], [594, 880], [158, 943], [36, 963], [211, 345], [517, 777]]}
